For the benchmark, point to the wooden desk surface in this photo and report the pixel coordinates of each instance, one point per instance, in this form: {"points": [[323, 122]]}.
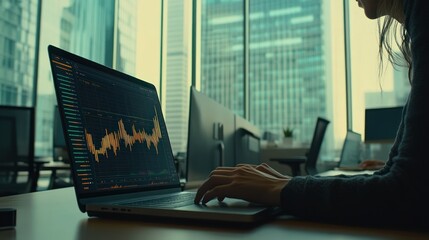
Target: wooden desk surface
{"points": [[54, 215]]}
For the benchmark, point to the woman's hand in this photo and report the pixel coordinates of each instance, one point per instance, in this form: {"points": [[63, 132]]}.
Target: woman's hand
{"points": [[372, 164], [258, 184]]}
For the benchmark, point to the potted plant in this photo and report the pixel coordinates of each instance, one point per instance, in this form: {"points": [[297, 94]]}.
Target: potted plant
{"points": [[287, 136]]}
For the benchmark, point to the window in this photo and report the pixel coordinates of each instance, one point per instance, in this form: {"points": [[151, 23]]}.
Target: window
{"points": [[177, 70], [370, 87], [278, 63], [81, 27], [222, 52], [17, 51], [296, 64], [104, 31]]}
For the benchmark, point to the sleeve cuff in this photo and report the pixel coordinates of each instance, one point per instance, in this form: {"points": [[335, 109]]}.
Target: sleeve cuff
{"points": [[293, 195]]}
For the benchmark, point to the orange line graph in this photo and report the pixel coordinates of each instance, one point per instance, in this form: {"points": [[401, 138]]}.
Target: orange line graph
{"points": [[112, 140], [62, 64]]}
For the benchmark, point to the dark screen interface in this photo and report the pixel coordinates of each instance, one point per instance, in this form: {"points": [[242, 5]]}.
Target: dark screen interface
{"points": [[115, 126]]}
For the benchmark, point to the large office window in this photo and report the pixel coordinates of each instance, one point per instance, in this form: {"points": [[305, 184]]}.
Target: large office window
{"points": [[296, 63], [104, 31], [222, 52], [18, 24], [82, 27], [177, 69], [288, 66], [294, 51], [122, 34], [372, 86]]}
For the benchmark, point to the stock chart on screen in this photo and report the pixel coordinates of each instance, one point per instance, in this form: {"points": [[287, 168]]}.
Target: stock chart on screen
{"points": [[114, 126]]}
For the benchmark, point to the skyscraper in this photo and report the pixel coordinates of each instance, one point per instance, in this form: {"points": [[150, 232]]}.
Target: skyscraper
{"points": [[126, 41], [92, 30], [289, 62], [178, 73], [222, 56], [86, 28], [18, 21]]}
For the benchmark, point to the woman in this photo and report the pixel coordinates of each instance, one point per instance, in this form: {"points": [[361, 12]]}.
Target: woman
{"points": [[397, 194]]}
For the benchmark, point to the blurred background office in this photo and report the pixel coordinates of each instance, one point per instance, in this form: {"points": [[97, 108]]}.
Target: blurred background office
{"points": [[276, 63]]}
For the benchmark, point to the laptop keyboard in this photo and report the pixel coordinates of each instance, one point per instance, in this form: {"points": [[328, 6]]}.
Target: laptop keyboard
{"points": [[172, 201]]}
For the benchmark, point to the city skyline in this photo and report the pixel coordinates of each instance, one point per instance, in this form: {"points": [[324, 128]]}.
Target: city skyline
{"points": [[287, 68], [18, 51], [108, 41], [290, 60]]}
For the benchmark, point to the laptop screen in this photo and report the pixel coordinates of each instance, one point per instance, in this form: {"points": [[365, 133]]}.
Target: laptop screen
{"points": [[350, 155], [113, 126]]}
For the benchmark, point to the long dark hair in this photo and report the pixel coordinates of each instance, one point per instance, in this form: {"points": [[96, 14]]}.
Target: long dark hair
{"points": [[392, 32]]}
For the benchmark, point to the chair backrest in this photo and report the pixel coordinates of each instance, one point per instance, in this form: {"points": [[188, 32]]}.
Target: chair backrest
{"points": [[8, 149], [17, 144], [316, 143]]}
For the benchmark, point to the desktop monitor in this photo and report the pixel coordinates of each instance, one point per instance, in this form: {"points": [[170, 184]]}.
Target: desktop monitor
{"points": [[247, 142], [60, 152], [210, 137], [381, 124]]}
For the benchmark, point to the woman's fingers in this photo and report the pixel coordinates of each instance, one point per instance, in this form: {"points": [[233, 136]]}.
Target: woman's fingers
{"points": [[219, 192], [267, 169], [218, 177], [212, 182], [243, 181]]}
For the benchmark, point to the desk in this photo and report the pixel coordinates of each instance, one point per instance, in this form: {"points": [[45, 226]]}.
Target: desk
{"points": [[332, 173], [54, 215], [282, 152], [54, 167], [23, 166]]}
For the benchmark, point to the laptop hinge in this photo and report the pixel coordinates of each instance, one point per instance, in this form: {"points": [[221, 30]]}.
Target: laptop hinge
{"points": [[126, 196]]}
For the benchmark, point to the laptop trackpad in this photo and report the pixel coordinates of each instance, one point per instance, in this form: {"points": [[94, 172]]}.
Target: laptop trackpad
{"points": [[227, 205]]}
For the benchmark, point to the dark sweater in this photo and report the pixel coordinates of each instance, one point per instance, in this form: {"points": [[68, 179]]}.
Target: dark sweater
{"points": [[399, 193]]}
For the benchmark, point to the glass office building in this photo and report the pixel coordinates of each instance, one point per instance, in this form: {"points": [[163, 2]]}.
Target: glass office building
{"points": [[66, 25], [178, 77], [100, 30], [287, 66], [92, 29], [288, 62], [125, 36], [222, 56], [18, 23], [292, 76]]}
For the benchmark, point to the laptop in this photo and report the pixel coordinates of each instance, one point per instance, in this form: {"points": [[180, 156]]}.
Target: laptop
{"points": [[120, 153], [351, 152]]}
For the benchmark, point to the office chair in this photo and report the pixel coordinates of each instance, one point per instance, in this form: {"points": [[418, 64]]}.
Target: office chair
{"points": [[16, 150], [310, 158]]}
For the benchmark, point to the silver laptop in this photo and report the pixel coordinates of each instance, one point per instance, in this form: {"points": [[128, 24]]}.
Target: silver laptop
{"points": [[351, 152], [120, 153]]}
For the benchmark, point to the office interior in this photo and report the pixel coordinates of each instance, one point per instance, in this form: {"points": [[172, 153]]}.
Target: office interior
{"points": [[273, 65], [275, 76]]}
